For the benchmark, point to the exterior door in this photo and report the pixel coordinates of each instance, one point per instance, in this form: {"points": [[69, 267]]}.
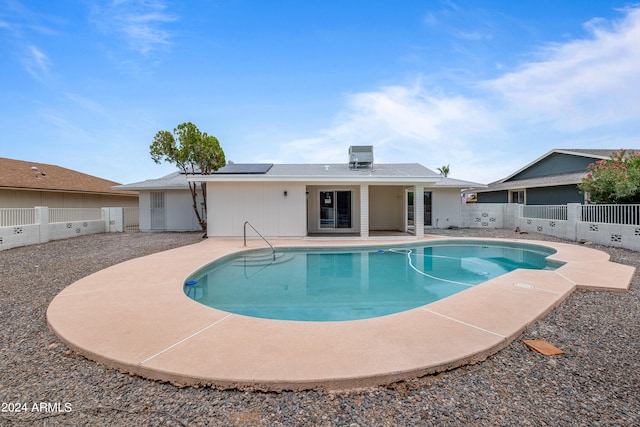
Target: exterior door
{"points": [[428, 208], [158, 214], [327, 209], [335, 209]]}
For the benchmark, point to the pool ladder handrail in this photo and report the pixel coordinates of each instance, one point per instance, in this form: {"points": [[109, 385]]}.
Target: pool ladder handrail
{"points": [[266, 241]]}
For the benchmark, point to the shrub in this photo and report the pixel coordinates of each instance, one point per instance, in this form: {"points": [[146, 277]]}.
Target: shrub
{"points": [[616, 180]]}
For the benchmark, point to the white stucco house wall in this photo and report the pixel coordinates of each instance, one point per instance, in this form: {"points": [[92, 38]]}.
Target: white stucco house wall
{"points": [[355, 198], [358, 198], [165, 204]]}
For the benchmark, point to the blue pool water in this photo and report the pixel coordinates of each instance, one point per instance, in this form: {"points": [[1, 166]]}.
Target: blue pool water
{"points": [[336, 284]]}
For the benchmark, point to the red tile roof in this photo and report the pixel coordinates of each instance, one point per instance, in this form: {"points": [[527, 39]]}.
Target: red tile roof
{"points": [[18, 174]]}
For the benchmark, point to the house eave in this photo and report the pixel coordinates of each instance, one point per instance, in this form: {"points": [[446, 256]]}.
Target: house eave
{"points": [[318, 179], [150, 187]]}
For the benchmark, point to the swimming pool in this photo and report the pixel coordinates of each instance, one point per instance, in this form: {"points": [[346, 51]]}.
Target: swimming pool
{"points": [[338, 284]]}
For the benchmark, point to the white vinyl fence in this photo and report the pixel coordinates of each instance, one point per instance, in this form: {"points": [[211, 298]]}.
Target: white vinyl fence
{"points": [[555, 212], [74, 214], [20, 227], [18, 216], [613, 225], [611, 214]]}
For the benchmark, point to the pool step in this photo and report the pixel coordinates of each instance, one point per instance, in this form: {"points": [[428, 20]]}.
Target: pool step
{"points": [[262, 259]]}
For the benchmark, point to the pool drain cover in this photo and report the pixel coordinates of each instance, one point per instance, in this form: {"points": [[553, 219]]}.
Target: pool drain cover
{"points": [[523, 285]]}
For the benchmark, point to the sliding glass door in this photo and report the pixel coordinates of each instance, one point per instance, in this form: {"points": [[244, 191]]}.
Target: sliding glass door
{"points": [[335, 209], [428, 208]]}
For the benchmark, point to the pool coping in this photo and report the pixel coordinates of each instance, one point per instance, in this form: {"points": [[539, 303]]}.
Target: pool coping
{"points": [[119, 318]]}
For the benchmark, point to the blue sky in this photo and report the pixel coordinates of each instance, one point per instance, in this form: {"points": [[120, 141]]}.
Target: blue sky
{"points": [[483, 86]]}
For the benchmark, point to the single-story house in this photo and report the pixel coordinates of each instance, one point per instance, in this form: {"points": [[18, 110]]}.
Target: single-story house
{"points": [[25, 184], [549, 180], [356, 198]]}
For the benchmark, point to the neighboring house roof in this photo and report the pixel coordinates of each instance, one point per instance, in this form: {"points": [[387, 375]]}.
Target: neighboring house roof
{"points": [[601, 153], [568, 178], [23, 175], [543, 181], [596, 154]]}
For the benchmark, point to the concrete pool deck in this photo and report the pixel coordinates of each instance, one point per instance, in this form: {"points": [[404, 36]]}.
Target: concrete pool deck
{"points": [[135, 317]]}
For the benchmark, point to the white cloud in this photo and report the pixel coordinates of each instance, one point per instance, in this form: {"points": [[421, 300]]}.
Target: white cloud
{"points": [[580, 84], [405, 124], [557, 101], [140, 22], [430, 19], [84, 103], [473, 35], [451, 5], [36, 63]]}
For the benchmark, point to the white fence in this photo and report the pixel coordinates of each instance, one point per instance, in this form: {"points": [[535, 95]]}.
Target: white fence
{"points": [[611, 214], [613, 225], [20, 227], [555, 212], [18, 216], [74, 214]]}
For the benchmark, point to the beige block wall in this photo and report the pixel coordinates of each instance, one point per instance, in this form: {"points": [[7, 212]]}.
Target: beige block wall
{"points": [[55, 199]]}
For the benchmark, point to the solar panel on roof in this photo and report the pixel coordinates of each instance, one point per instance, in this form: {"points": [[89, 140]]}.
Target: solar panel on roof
{"points": [[245, 168]]}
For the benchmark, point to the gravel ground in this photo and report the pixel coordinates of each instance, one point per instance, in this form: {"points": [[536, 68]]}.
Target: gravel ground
{"points": [[595, 383]]}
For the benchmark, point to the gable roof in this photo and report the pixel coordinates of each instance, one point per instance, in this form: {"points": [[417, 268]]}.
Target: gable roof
{"points": [[23, 175], [542, 181], [596, 154], [569, 178]]}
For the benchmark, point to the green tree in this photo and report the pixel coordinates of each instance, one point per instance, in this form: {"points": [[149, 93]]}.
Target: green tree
{"points": [[193, 152], [444, 170], [616, 180]]}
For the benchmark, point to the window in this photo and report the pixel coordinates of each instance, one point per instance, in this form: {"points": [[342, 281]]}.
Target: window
{"points": [[517, 197]]}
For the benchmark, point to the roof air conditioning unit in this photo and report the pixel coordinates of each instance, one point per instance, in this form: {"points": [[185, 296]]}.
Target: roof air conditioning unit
{"points": [[361, 156]]}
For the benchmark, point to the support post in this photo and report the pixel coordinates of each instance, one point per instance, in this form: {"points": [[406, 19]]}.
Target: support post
{"points": [[364, 210], [418, 210], [42, 221], [574, 215]]}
